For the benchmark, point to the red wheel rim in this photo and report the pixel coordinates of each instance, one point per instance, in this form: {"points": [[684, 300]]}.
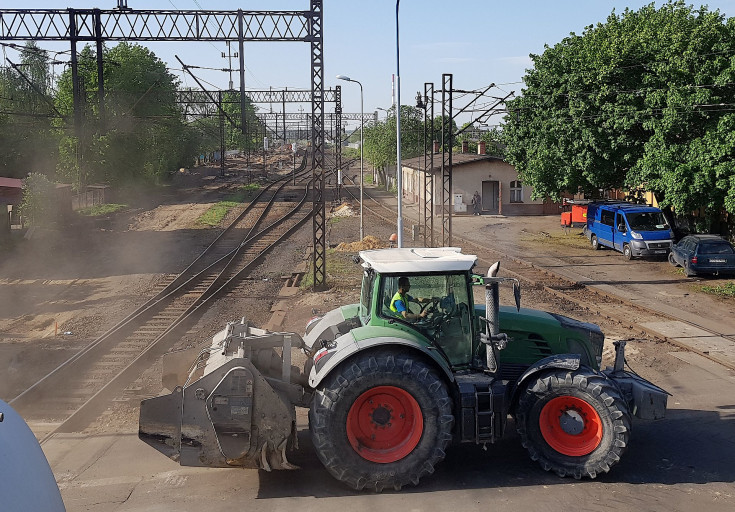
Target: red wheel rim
{"points": [[384, 424], [571, 426]]}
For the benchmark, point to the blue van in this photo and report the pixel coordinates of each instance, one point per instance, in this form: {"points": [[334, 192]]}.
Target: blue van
{"points": [[633, 229]]}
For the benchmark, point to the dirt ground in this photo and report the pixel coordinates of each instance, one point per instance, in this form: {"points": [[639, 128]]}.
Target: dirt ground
{"points": [[66, 286]]}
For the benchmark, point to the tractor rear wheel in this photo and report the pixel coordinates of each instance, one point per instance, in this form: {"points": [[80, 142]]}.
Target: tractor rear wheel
{"points": [[574, 423], [381, 421]]}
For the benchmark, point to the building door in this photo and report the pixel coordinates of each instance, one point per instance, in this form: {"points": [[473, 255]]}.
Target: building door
{"points": [[490, 197]]}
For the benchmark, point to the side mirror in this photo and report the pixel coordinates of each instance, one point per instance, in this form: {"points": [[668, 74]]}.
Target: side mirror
{"points": [[621, 228], [517, 294]]}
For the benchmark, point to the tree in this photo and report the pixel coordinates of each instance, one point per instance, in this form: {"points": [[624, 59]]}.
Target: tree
{"points": [[234, 137], [38, 199], [642, 100], [380, 138], [143, 136], [27, 140]]}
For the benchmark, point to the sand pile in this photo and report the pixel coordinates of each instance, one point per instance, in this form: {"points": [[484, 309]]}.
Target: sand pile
{"points": [[367, 243]]}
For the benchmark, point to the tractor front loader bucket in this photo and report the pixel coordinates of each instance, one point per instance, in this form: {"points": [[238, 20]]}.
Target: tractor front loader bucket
{"points": [[230, 417]]}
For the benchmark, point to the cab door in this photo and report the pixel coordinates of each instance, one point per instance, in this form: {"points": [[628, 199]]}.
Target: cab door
{"points": [[621, 234], [606, 227]]}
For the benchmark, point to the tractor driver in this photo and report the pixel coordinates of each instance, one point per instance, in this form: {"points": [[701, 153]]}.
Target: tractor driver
{"points": [[399, 302]]}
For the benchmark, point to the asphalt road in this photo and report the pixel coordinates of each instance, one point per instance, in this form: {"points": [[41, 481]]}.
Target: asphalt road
{"points": [[681, 463]]}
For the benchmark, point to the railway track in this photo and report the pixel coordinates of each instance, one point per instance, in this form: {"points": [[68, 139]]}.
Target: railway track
{"points": [[78, 390], [604, 304]]}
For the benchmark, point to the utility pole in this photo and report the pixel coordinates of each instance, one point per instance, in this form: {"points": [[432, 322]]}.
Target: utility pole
{"points": [[229, 56]]}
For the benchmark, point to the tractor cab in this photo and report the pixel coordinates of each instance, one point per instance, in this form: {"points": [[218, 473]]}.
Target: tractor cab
{"points": [[434, 289]]}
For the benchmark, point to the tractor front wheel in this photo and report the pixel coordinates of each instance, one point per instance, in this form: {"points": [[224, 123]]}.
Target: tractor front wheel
{"points": [[574, 423], [381, 421]]}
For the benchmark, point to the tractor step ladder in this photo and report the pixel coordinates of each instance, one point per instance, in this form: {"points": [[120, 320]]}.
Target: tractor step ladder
{"points": [[484, 416]]}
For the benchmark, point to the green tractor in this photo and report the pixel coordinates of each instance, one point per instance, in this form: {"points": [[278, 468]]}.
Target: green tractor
{"points": [[391, 382]]}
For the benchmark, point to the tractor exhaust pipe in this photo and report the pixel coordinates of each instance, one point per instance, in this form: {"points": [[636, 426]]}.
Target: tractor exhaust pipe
{"points": [[494, 340]]}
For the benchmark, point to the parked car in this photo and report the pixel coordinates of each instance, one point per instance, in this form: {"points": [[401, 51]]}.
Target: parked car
{"points": [[633, 229], [703, 254]]}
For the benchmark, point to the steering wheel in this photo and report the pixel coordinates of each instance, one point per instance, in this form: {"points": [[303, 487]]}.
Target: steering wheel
{"points": [[433, 311]]}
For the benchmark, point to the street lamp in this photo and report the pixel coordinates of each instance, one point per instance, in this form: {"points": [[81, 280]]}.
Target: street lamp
{"points": [[399, 171], [387, 111], [362, 122]]}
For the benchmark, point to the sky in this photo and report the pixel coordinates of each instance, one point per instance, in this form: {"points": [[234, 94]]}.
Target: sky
{"points": [[480, 41]]}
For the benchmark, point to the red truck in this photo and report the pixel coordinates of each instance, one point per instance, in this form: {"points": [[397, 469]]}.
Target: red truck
{"points": [[574, 212]]}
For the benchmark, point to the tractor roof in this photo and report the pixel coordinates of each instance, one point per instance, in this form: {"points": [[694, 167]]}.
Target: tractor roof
{"points": [[418, 260]]}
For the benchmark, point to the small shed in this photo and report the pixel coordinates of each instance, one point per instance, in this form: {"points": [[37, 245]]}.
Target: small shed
{"points": [[497, 182], [11, 196], [11, 191]]}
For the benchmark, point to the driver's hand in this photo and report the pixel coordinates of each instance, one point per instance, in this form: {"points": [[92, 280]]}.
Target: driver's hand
{"points": [[423, 313]]}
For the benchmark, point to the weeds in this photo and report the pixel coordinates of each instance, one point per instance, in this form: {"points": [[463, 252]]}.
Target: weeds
{"points": [[101, 209], [217, 212], [724, 290], [341, 271], [214, 215]]}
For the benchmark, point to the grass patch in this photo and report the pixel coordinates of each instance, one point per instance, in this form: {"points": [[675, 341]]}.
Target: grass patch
{"points": [[243, 193], [101, 209], [572, 239], [217, 212], [726, 290], [342, 272]]}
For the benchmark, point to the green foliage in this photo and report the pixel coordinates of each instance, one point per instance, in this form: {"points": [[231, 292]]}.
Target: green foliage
{"points": [[216, 213], [380, 138], [144, 136], [724, 290], [350, 153], [642, 100], [28, 140], [38, 199], [101, 209], [492, 139], [340, 270]]}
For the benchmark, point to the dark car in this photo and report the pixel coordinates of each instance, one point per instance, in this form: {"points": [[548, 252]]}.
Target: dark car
{"points": [[703, 254]]}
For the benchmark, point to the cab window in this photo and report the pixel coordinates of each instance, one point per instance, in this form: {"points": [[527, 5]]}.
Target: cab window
{"points": [[606, 217], [366, 295], [445, 298]]}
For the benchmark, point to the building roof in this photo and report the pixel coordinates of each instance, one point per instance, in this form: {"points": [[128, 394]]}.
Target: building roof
{"points": [[11, 182], [417, 260], [457, 159]]}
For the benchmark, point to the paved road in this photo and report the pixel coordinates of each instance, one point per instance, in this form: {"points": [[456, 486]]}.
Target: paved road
{"points": [[682, 463]]}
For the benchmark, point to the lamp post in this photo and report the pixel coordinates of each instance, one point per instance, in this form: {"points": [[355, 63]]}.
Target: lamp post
{"points": [[362, 122], [399, 171]]}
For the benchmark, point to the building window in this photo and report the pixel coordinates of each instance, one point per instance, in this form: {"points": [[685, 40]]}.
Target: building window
{"points": [[516, 192]]}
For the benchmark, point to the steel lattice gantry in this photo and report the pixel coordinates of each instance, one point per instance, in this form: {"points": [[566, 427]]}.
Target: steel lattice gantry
{"points": [[99, 25], [428, 212], [446, 168]]}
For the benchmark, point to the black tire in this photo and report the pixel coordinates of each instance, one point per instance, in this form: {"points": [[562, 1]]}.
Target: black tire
{"points": [[627, 252], [346, 387], [672, 260], [595, 243], [598, 397]]}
